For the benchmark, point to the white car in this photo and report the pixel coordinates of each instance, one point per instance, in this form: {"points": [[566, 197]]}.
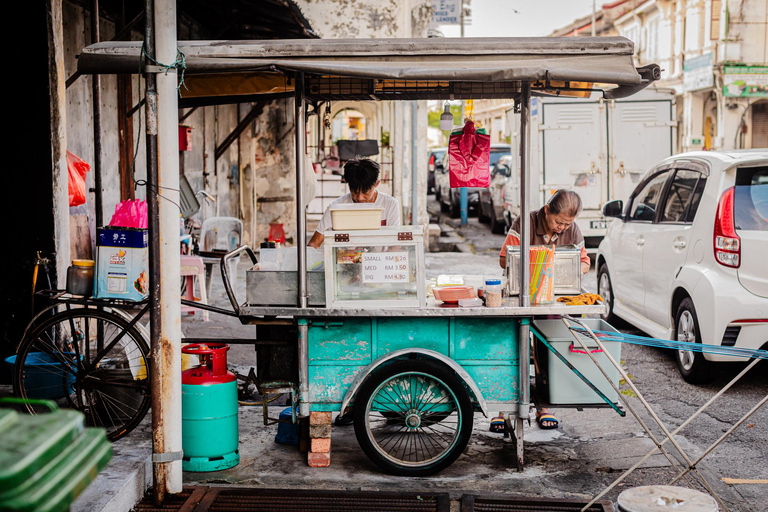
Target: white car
{"points": [[686, 257]]}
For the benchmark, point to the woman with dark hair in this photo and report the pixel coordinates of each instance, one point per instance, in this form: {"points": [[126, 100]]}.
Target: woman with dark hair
{"points": [[551, 225], [362, 178]]}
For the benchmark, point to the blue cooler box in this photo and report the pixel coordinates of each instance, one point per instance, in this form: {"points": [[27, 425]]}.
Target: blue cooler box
{"points": [[121, 264]]}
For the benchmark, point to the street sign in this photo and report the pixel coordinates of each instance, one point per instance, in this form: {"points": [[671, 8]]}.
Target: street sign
{"points": [[446, 12], [697, 73], [745, 81]]}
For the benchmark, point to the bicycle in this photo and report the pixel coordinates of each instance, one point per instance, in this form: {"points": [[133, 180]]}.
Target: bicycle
{"points": [[90, 356]]}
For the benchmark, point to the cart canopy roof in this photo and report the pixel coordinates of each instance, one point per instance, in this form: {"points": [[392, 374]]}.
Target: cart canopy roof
{"points": [[364, 69]]}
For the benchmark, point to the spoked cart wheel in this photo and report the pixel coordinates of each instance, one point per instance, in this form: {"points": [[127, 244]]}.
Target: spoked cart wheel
{"points": [[89, 360], [413, 418]]}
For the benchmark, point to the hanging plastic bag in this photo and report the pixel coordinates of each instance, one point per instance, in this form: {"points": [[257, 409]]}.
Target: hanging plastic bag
{"points": [[77, 168], [130, 214], [469, 157]]}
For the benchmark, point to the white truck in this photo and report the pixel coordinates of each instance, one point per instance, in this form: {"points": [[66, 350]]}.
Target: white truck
{"points": [[598, 148]]}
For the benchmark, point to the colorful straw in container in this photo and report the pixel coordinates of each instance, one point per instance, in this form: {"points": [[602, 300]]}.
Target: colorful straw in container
{"points": [[542, 279]]}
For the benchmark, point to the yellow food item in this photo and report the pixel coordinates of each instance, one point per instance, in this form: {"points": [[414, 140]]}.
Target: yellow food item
{"points": [[585, 299]]}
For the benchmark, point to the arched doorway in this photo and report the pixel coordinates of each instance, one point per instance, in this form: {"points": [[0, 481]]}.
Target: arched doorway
{"points": [[349, 124]]}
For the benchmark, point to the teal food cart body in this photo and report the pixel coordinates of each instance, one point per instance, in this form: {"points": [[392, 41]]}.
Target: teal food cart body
{"points": [[340, 350]]}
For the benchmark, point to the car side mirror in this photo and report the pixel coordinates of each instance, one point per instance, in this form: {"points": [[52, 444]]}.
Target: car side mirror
{"points": [[613, 208]]}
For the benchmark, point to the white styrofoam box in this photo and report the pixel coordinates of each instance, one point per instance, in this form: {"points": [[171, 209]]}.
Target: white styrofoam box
{"points": [[565, 387], [349, 216]]}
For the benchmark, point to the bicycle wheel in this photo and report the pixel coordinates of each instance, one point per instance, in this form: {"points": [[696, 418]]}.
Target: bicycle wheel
{"points": [[413, 418], [91, 361]]}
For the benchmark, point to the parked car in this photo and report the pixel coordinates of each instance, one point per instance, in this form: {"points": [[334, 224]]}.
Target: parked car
{"points": [[492, 199], [448, 197], [434, 159], [684, 258]]}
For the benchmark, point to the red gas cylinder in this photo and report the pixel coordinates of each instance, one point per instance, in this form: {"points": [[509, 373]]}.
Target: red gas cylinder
{"points": [[209, 424]]}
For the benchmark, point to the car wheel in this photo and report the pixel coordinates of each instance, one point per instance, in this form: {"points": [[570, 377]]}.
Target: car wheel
{"points": [[437, 192], [444, 207], [497, 227], [605, 289], [692, 365], [455, 208]]}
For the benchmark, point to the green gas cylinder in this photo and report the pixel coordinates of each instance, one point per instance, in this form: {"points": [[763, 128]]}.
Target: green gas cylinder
{"points": [[209, 427]]}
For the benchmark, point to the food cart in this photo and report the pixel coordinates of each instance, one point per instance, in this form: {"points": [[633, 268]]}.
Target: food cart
{"points": [[413, 372]]}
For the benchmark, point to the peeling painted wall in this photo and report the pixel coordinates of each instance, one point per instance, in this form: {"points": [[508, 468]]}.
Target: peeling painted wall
{"points": [[275, 175], [340, 19]]}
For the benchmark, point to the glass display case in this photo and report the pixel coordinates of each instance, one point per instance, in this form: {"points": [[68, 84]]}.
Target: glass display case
{"points": [[375, 268]]}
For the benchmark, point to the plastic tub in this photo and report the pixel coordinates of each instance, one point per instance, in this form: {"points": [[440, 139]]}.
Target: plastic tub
{"points": [[565, 387], [44, 376], [353, 216]]}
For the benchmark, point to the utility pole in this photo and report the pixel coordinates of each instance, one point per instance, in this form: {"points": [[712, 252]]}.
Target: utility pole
{"points": [[165, 274]]}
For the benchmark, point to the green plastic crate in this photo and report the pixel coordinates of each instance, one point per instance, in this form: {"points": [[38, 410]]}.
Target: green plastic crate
{"points": [[47, 460]]}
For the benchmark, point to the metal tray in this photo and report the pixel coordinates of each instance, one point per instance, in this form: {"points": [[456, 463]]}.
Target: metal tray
{"points": [[279, 288], [567, 270]]}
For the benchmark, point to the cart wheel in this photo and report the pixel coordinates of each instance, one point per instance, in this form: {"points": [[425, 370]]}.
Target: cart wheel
{"points": [[413, 418], [87, 360]]}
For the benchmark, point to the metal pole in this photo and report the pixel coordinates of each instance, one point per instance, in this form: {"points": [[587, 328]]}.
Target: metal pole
{"points": [[525, 174], [162, 199], [594, 16], [414, 163], [96, 92], [525, 238], [300, 122], [304, 368]]}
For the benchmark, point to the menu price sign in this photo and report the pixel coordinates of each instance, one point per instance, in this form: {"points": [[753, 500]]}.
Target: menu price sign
{"points": [[385, 267]]}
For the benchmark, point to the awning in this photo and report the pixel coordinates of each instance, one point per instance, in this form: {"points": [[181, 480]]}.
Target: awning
{"points": [[607, 60]]}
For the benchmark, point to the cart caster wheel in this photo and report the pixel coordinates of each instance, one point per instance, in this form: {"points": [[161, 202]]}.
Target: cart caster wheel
{"points": [[413, 418]]}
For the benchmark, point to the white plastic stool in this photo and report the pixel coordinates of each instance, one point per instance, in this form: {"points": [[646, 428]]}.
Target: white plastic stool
{"points": [[191, 267]]}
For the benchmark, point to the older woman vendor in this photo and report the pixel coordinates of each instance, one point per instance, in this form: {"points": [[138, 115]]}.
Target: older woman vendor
{"points": [[551, 225]]}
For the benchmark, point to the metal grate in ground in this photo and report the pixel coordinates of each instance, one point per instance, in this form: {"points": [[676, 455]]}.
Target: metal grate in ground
{"points": [[233, 499], [473, 503]]}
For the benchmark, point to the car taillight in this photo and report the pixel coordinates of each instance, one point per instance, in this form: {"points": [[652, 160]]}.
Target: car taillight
{"points": [[726, 242]]}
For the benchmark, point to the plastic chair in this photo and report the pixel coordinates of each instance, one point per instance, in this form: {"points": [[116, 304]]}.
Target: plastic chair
{"points": [[220, 234], [191, 267]]}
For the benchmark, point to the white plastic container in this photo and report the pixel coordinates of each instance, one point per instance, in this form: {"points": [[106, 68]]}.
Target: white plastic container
{"points": [[564, 386], [353, 216]]}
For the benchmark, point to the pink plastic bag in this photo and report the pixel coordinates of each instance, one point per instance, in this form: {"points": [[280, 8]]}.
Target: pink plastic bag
{"points": [[77, 168], [469, 158], [130, 214]]}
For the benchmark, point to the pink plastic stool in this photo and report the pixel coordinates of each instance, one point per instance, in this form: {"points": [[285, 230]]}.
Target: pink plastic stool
{"points": [[191, 267]]}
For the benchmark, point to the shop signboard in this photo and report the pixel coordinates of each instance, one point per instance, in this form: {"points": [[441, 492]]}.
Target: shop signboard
{"points": [[446, 12], [745, 81], [697, 73]]}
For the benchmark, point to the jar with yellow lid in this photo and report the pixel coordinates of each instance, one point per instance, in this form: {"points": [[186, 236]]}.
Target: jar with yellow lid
{"points": [[80, 278]]}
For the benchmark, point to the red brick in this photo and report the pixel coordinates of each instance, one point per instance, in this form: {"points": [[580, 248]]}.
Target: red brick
{"points": [[320, 418], [319, 431], [320, 445], [319, 460]]}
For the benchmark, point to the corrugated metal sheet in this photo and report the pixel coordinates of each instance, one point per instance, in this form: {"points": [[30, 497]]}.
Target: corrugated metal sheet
{"points": [[601, 59]]}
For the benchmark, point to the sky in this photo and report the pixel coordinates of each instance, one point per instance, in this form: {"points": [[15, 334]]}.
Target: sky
{"points": [[520, 18]]}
